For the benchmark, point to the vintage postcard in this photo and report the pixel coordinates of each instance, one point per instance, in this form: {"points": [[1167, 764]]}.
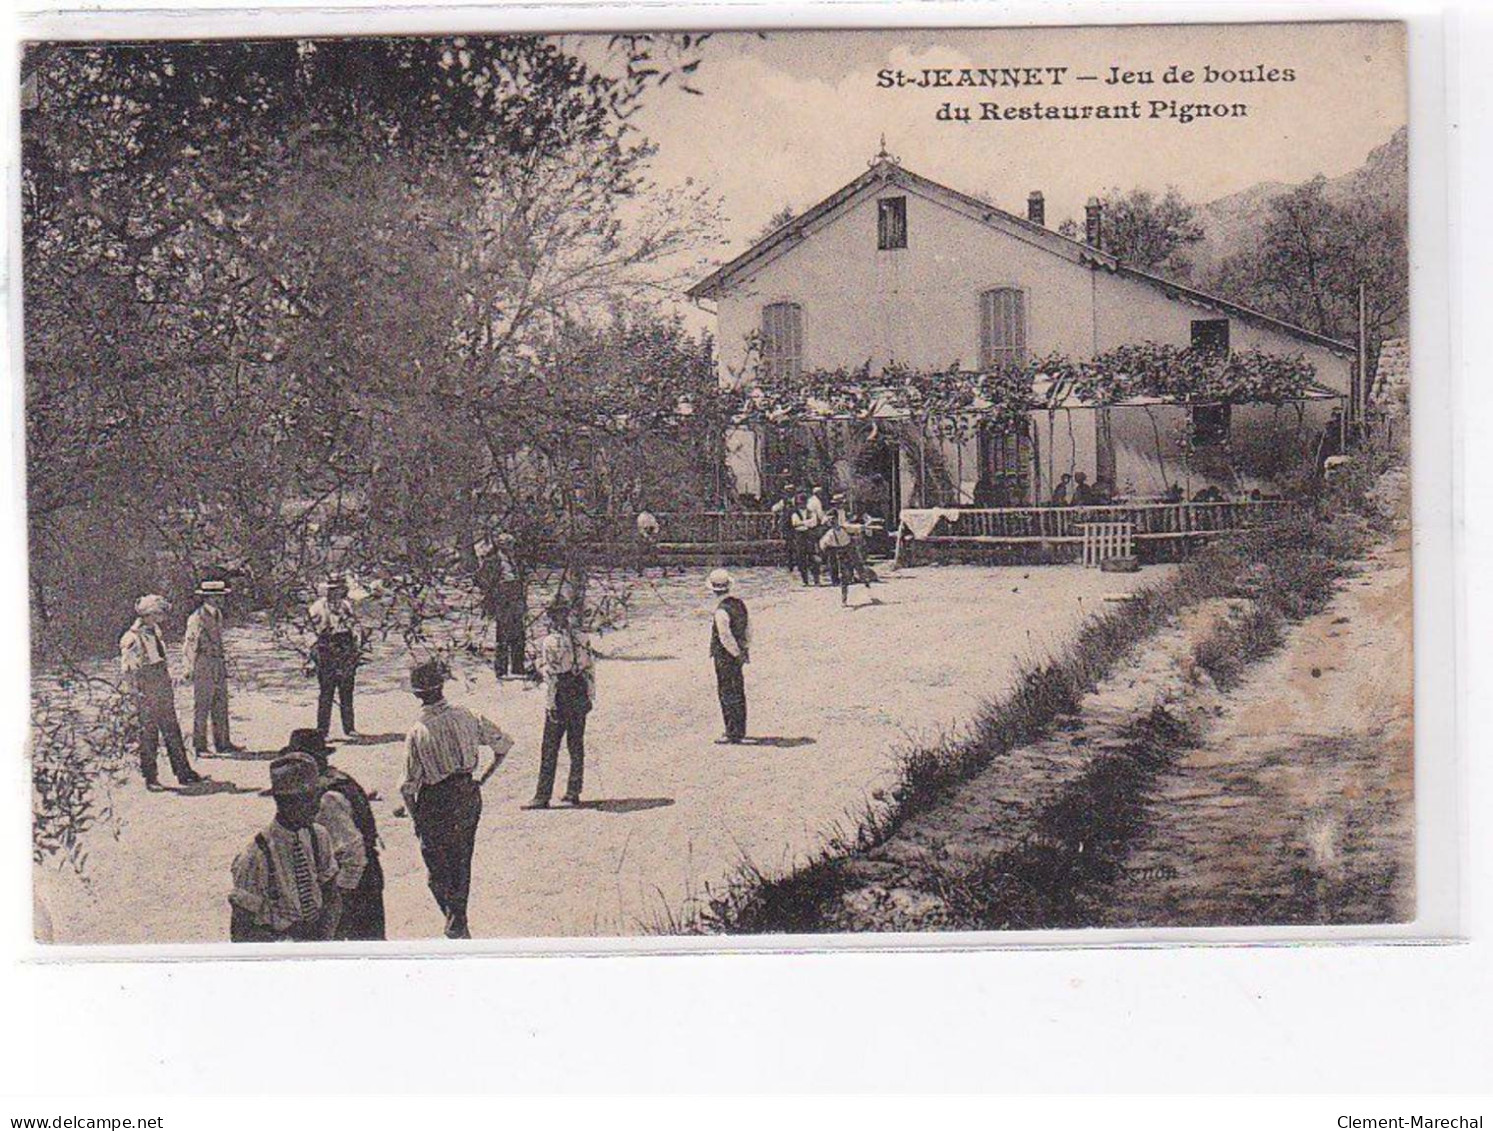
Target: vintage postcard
{"points": [[504, 486]]}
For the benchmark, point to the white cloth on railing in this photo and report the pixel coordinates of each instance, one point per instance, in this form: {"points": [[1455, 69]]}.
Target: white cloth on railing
{"points": [[919, 522]]}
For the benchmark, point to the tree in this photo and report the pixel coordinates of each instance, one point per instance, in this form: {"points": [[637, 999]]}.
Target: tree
{"points": [[1307, 262], [784, 215], [264, 279], [1150, 232]]}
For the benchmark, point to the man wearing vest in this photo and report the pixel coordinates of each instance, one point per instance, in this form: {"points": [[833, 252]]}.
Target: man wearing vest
{"points": [[730, 643], [806, 539], [142, 659], [336, 653], [207, 668], [347, 815], [440, 793], [285, 879], [569, 669]]}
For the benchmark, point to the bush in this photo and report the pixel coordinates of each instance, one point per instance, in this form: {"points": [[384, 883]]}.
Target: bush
{"points": [[83, 729]]}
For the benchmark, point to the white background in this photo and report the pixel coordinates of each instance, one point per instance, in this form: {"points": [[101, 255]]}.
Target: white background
{"points": [[1298, 1018]]}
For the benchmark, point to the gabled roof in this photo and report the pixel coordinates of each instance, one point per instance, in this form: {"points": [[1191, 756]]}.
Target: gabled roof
{"points": [[885, 172]]}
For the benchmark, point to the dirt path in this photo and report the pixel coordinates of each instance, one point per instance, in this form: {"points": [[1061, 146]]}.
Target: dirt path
{"points": [[1298, 808], [833, 694], [1295, 806]]}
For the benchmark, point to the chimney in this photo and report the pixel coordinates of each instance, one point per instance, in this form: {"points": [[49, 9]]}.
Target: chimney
{"points": [[1093, 223], [1036, 209]]}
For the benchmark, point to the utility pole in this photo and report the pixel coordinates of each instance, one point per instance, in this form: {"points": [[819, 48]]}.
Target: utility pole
{"points": [[1361, 390]]}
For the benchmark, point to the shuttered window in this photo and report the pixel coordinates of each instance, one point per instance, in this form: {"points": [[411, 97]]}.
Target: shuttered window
{"points": [[891, 223], [1002, 328], [782, 339]]}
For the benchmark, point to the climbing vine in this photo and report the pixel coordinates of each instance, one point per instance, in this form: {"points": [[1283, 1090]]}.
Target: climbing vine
{"points": [[950, 400]]}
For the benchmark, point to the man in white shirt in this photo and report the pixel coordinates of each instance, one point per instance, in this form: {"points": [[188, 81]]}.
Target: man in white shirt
{"points": [[441, 794], [569, 668], [285, 879], [730, 649], [806, 539], [336, 653], [142, 660], [207, 668]]}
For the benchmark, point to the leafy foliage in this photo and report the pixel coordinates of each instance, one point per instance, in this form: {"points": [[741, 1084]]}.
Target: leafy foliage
{"points": [[949, 398], [1307, 262], [278, 287], [1151, 232]]}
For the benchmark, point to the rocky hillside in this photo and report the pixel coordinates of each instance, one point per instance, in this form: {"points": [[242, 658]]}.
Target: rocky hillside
{"points": [[1231, 221]]}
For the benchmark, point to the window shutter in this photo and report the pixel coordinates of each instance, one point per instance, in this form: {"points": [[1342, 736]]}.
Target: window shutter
{"points": [[782, 339], [1002, 328], [891, 223]]}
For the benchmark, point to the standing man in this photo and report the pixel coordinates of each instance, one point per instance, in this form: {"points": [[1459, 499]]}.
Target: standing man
{"points": [[821, 520], [285, 880], [569, 668], [335, 653], [347, 816], [730, 644], [806, 540], [646, 544], [142, 659], [784, 508], [507, 601], [440, 792], [207, 668]]}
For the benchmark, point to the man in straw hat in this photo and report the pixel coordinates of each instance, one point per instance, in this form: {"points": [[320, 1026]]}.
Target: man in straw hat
{"points": [[347, 815], [142, 659], [207, 668], [335, 653], [730, 643], [440, 793], [285, 879]]}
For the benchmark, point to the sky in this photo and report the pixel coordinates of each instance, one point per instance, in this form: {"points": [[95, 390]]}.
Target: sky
{"points": [[789, 119]]}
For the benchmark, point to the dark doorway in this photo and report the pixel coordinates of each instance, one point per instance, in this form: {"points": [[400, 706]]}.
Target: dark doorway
{"points": [[879, 464]]}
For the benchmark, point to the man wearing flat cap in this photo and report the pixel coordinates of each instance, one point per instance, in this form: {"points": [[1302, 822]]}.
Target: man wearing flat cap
{"points": [[207, 668], [347, 815], [440, 792], [285, 879], [142, 660]]}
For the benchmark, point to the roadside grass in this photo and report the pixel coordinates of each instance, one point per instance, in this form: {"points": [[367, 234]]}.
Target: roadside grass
{"points": [[1077, 848], [1283, 573]]}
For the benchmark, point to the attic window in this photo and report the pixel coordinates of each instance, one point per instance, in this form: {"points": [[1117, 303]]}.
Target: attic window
{"points": [[891, 223]]}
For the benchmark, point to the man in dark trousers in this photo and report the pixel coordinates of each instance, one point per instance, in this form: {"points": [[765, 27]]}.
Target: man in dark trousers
{"points": [[730, 648], [569, 668], [285, 879], [347, 816], [440, 792], [207, 668], [806, 539], [336, 653], [504, 593], [142, 659], [784, 508]]}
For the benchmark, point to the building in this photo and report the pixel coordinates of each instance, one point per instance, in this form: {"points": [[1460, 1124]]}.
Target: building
{"points": [[896, 268]]}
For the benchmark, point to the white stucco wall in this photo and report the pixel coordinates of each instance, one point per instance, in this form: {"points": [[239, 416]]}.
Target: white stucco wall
{"points": [[919, 306]]}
